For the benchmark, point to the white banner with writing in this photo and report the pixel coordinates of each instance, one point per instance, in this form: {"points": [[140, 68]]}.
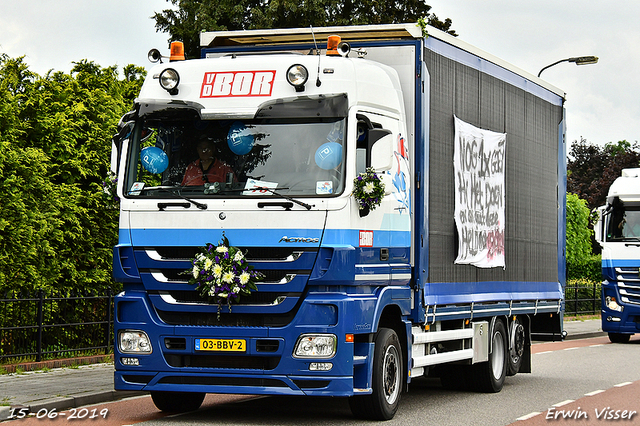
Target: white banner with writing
{"points": [[479, 166]]}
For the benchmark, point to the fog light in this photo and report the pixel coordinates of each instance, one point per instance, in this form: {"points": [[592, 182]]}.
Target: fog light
{"points": [[315, 346], [610, 303], [130, 361], [320, 366], [134, 341]]}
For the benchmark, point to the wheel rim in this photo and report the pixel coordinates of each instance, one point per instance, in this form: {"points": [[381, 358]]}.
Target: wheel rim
{"points": [[391, 375], [518, 343], [497, 360]]}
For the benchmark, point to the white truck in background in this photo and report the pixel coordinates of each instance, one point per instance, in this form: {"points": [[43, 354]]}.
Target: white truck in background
{"points": [[618, 233]]}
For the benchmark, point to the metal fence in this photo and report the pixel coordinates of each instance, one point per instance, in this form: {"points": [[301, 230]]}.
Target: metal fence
{"points": [[582, 297], [44, 326]]}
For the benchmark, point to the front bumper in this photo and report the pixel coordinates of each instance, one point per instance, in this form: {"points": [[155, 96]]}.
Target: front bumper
{"points": [[266, 366], [625, 322]]}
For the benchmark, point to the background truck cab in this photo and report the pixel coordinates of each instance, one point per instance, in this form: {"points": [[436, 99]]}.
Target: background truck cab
{"points": [[618, 232]]}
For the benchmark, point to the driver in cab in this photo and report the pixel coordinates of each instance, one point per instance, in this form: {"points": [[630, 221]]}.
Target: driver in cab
{"points": [[207, 168]]}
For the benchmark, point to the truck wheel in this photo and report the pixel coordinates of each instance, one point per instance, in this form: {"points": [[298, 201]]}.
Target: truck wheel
{"points": [[177, 402], [619, 338], [489, 376], [516, 342], [382, 403]]}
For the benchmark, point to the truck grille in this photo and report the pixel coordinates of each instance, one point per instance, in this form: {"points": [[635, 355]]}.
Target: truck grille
{"points": [[226, 320], [283, 254], [286, 270], [263, 363], [629, 284], [256, 298]]}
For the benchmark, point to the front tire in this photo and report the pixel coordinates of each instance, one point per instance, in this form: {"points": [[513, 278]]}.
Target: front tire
{"points": [[177, 402], [489, 376], [619, 338], [388, 368]]}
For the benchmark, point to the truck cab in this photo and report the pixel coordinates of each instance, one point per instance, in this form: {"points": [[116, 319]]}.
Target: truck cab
{"points": [[618, 233], [287, 148]]}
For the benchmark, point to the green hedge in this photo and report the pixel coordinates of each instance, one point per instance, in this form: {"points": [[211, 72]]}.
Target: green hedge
{"points": [[57, 231], [588, 269]]}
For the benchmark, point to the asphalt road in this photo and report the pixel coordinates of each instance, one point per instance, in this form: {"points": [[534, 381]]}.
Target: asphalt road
{"points": [[577, 376]]}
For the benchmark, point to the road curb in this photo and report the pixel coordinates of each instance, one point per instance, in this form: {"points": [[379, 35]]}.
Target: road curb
{"points": [[576, 336], [59, 363]]}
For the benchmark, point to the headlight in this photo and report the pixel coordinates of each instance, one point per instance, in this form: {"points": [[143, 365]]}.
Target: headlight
{"points": [[169, 80], [297, 76], [134, 342], [315, 346], [610, 302]]}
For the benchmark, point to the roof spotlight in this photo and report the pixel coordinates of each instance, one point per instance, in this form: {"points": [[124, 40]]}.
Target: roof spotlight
{"points": [[297, 76], [169, 80]]}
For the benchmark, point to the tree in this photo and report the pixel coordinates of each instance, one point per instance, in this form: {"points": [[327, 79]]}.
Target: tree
{"points": [[193, 16], [581, 263], [55, 229], [578, 232], [591, 169]]}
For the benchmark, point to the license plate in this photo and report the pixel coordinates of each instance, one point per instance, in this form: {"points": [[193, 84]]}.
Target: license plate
{"points": [[221, 345]]}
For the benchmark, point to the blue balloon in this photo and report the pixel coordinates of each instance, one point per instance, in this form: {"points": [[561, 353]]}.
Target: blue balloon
{"points": [[239, 139], [329, 155], [154, 159]]}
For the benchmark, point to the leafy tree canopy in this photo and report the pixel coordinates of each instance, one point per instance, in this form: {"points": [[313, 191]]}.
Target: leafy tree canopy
{"points": [[56, 231], [578, 232], [193, 16], [591, 169]]}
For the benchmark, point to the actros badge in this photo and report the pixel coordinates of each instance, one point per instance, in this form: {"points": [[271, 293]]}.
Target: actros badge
{"points": [[299, 240]]}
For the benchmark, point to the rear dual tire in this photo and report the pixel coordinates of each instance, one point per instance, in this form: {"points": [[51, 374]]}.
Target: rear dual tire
{"points": [[489, 376], [517, 341]]}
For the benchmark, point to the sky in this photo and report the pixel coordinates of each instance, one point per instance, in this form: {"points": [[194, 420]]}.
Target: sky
{"points": [[602, 101], [52, 34]]}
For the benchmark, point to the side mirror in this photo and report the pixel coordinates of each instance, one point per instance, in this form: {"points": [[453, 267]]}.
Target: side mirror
{"points": [[382, 153], [114, 157], [598, 227], [124, 131]]}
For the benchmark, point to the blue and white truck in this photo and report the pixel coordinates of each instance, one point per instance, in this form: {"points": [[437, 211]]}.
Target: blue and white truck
{"points": [[450, 273], [618, 233]]}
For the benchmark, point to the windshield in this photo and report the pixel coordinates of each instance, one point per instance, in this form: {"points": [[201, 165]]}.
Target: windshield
{"points": [[182, 154], [623, 223]]}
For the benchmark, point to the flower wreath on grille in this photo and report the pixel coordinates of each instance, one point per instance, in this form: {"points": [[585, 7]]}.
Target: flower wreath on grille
{"points": [[222, 274]]}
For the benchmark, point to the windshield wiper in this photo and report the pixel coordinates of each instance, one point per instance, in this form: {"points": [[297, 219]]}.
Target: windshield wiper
{"points": [[286, 197], [199, 205]]}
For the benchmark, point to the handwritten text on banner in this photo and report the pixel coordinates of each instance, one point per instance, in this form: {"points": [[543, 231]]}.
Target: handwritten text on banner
{"points": [[479, 166]]}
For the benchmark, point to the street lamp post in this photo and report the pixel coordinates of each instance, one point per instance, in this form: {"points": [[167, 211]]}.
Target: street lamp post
{"points": [[579, 60]]}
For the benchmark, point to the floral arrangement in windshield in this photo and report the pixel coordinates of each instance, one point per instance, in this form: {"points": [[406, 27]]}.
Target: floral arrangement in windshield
{"points": [[368, 191], [222, 274]]}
